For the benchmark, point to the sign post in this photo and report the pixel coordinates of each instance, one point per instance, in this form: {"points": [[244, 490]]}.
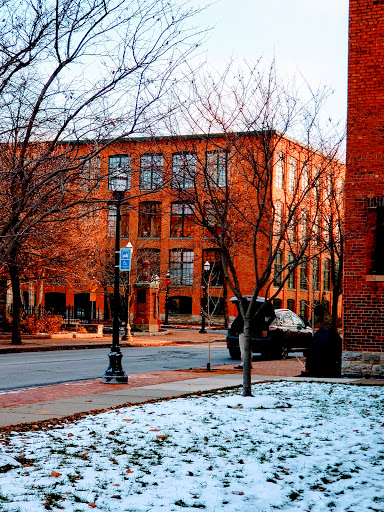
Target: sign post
{"points": [[125, 266]]}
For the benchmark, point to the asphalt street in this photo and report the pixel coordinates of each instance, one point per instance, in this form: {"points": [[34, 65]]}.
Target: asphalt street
{"points": [[30, 369]]}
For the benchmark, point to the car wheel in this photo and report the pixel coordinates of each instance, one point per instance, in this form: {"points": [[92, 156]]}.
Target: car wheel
{"points": [[234, 353]]}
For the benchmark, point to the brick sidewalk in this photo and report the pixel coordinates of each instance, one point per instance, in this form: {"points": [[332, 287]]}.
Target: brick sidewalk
{"points": [[286, 368]]}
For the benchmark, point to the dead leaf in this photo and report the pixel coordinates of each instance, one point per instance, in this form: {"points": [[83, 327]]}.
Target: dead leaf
{"points": [[93, 505], [55, 474], [126, 420], [85, 455], [70, 435], [162, 437], [114, 461], [155, 430], [129, 471]]}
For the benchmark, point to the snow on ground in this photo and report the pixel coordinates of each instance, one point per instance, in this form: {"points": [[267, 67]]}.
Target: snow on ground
{"points": [[292, 447]]}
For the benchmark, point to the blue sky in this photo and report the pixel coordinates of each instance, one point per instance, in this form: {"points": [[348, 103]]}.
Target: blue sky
{"points": [[305, 36]]}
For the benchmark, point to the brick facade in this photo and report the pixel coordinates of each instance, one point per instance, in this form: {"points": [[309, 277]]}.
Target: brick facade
{"points": [[363, 271], [160, 237]]}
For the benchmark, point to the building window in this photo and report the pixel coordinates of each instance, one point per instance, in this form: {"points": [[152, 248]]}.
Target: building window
{"points": [[292, 175], [279, 170], [305, 177], [179, 305], [304, 227], [277, 280], [216, 169], [304, 276], [181, 266], [124, 224], [315, 274], [277, 303], [216, 273], [278, 218], [181, 220], [149, 219], [291, 304], [378, 256], [327, 274], [292, 229], [303, 310], [183, 170], [151, 255], [291, 281], [151, 171], [119, 172], [112, 214], [92, 172]]}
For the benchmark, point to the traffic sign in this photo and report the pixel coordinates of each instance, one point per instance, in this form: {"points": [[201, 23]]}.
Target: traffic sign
{"points": [[125, 259]]}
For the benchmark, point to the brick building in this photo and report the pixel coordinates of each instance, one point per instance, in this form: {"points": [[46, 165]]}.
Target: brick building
{"points": [[363, 352], [158, 219]]}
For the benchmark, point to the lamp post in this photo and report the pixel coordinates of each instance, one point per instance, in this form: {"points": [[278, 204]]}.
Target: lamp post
{"points": [[167, 282], [115, 373], [206, 268]]}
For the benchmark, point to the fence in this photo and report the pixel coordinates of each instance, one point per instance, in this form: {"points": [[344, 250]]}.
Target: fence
{"points": [[71, 314]]}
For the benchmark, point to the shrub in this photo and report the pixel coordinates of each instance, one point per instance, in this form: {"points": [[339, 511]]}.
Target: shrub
{"points": [[48, 322]]}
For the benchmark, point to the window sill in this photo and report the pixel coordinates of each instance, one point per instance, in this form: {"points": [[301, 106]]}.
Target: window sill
{"points": [[149, 237], [374, 278], [178, 237]]}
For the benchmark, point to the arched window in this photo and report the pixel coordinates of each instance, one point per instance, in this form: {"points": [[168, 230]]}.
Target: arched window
{"points": [[291, 304]]}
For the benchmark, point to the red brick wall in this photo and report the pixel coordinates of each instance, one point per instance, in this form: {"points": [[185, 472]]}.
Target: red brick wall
{"points": [[363, 291]]}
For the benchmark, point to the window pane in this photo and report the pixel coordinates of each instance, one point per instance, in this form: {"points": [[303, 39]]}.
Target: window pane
{"points": [[216, 168], [149, 219], [279, 171], [151, 171], [181, 266], [183, 170], [119, 170], [181, 220]]}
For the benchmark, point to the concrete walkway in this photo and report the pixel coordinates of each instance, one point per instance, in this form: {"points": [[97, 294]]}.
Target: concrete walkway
{"points": [[39, 407]]}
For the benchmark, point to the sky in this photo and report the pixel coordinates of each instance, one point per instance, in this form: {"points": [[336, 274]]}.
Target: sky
{"points": [[308, 37]]}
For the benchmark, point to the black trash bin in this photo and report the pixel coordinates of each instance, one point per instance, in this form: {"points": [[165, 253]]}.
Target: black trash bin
{"points": [[324, 356]]}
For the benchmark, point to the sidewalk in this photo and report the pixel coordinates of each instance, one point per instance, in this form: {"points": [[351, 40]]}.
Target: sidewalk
{"points": [[39, 407]]}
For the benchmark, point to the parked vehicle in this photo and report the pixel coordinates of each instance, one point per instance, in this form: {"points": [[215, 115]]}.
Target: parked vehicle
{"points": [[275, 333]]}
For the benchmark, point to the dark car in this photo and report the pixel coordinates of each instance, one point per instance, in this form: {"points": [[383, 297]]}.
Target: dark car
{"points": [[274, 334]]}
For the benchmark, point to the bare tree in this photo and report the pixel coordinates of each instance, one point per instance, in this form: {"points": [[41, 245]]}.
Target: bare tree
{"points": [[75, 77], [246, 128]]}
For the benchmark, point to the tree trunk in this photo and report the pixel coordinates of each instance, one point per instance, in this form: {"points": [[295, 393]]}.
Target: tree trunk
{"points": [[247, 359], [16, 320], [225, 299]]}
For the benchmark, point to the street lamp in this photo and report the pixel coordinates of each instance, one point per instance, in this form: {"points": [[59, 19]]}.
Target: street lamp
{"points": [[115, 373], [167, 282], [206, 268]]}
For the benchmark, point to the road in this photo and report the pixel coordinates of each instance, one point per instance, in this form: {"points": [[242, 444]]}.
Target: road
{"points": [[30, 369]]}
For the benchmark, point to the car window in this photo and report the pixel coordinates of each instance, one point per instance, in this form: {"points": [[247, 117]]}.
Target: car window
{"points": [[297, 320], [287, 319]]}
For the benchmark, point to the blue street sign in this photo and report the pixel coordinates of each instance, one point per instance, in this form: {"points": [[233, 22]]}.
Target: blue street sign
{"points": [[125, 259]]}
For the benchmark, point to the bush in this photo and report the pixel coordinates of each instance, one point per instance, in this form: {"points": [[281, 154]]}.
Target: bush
{"points": [[48, 323]]}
